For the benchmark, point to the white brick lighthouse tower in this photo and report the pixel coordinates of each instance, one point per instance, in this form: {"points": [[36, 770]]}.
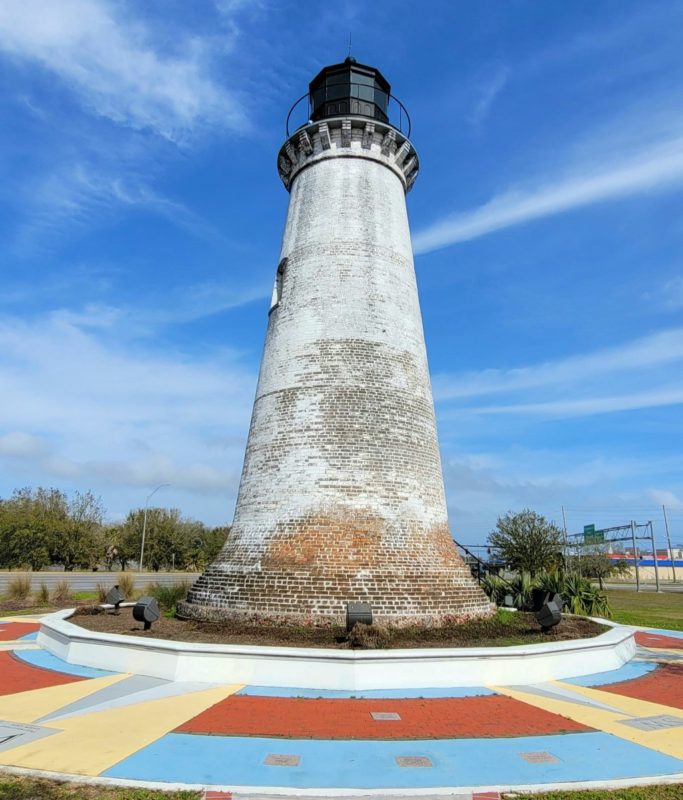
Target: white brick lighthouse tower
{"points": [[342, 497]]}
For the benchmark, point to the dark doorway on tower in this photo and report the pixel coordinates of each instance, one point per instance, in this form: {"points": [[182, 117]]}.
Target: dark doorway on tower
{"points": [[277, 287]]}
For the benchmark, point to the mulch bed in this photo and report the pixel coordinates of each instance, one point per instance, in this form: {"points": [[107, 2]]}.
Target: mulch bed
{"points": [[500, 630]]}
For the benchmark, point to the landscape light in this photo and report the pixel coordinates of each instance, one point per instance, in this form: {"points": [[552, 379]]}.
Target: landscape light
{"points": [[358, 612], [550, 612], [114, 598], [146, 610]]}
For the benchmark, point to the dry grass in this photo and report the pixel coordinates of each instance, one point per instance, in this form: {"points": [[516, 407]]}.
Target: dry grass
{"points": [[126, 584], [19, 587], [19, 788], [62, 593], [42, 597], [670, 791]]}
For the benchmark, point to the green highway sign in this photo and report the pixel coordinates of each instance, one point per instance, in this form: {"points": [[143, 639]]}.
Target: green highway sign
{"points": [[596, 537], [588, 529]]}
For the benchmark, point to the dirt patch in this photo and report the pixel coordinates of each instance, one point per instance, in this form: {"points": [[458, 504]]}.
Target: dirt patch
{"points": [[501, 630]]}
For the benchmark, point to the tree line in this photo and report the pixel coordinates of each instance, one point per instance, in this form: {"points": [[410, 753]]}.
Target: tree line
{"points": [[45, 527]]}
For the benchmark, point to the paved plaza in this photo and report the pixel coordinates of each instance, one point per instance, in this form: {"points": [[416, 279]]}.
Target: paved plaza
{"points": [[60, 718]]}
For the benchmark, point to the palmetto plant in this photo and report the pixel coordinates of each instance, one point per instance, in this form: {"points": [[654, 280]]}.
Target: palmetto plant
{"points": [[581, 597], [496, 588], [578, 594]]}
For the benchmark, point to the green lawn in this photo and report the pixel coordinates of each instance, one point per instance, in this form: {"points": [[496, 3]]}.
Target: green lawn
{"points": [[667, 792], [648, 609]]}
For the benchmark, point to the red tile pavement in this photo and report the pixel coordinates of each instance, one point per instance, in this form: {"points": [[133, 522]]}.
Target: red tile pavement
{"points": [[656, 640], [663, 685], [490, 716], [17, 676], [486, 796], [14, 630]]}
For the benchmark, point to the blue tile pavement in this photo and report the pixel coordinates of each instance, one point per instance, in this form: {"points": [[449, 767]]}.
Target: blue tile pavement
{"points": [[45, 660], [238, 761]]}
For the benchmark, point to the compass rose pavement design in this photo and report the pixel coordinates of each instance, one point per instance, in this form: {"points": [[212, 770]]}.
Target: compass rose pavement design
{"points": [[624, 725]]}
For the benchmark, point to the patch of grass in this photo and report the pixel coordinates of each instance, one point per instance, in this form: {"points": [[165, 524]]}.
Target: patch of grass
{"points": [[19, 788], [672, 791], [19, 587], [168, 596], [649, 609], [85, 595], [101, 593]]}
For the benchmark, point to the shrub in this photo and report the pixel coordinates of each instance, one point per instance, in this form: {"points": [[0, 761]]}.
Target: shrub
{"points": [[521, 587], [62, 592], [126, 585], [496, 588], [368, 637], [19, 587], [43, 595], [101, 590], [168, 596], [581, 597]]}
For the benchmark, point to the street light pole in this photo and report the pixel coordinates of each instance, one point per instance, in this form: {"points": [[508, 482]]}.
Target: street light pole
{"points": [[144, 521]]}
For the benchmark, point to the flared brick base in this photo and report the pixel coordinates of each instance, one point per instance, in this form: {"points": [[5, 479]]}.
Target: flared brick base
{"points": [[415, 578]]}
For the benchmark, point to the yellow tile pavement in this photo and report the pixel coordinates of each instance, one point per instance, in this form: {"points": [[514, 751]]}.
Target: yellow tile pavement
{"points": [[668, 740], [92, 743], [36, 703]]}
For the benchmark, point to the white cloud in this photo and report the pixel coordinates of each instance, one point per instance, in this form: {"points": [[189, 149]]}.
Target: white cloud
{"points": [[593, 487], [654, 169], [110, 417], [78, 195], [22, 445], [592, 405], [672, 293], [666, 498], [110, 61], [665, 347], [488, 92]]}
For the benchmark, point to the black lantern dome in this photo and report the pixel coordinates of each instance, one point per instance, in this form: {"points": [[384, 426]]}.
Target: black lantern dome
{"points": [[349, 89]]}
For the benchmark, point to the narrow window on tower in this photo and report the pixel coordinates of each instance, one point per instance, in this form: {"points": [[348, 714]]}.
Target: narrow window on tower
{"points": [[277, 287]]}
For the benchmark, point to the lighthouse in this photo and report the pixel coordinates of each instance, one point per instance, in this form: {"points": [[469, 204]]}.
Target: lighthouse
{"points": [[341, 497]]}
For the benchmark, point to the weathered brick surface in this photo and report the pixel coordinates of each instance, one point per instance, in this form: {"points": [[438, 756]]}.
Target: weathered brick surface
{"points": [[342, 495]]}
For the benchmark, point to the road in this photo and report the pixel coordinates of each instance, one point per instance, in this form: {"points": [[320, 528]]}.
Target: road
{"points": [[647, 587], [87, 581]]}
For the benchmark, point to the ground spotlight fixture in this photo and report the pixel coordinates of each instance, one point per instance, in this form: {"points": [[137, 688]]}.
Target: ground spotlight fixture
{"points": [[358, 612], [146, 610], [550, 612], [114, 598]]}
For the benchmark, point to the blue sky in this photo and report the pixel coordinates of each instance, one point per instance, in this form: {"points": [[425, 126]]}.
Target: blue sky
{"points": [[141, 216]]}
